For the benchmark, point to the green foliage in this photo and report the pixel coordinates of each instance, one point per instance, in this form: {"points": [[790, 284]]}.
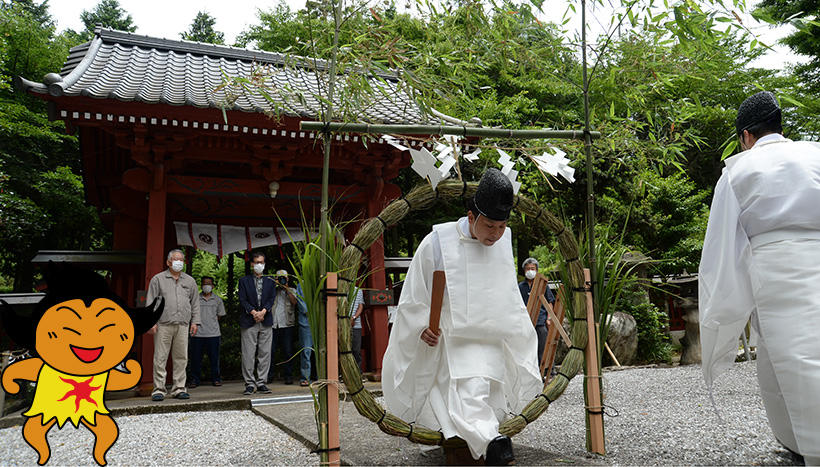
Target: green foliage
{"points": [[42, 201], [202, 30], [108, 14], [653, 343], [664, 217]]}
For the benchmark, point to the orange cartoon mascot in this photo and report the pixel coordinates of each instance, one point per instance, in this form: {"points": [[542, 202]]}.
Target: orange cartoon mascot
{"points": [[80, 332]]}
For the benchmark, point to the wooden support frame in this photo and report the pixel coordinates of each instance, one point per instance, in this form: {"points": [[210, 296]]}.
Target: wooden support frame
{"points": [[551, 346], [539, 287], [334, 446], [592, 380]]}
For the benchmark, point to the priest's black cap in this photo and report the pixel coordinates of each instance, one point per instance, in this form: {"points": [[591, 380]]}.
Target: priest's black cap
{"points": [[755, 109], [494, 197]]}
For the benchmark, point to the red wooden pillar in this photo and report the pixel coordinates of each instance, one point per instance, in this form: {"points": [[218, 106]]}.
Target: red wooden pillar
{"points": [[154, 262], [378, 315]]}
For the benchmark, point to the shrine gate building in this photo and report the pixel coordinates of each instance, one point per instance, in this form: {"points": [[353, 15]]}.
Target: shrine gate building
{"points": [[157, 150]]}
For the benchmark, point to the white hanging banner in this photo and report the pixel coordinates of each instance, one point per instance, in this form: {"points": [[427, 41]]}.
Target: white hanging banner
{"points": [[226, 239]]}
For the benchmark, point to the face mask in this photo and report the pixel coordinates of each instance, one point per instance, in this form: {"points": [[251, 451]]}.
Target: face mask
{"points": [[258, 268], [530, 274], [177, 265], [207, 288]]}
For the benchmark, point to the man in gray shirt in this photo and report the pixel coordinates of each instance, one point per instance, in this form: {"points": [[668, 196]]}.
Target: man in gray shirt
{"points": [[208, 337], [179, 318]]}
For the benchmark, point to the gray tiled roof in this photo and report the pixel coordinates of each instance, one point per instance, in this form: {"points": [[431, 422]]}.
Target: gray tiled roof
{"points": [[129, 67]]}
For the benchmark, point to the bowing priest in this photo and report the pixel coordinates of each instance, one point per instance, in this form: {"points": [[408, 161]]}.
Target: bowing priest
{"points": [[761, 259], [482, 366]]}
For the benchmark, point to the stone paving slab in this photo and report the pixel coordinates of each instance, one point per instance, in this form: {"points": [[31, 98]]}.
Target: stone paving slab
{"points": [[203, 398]]}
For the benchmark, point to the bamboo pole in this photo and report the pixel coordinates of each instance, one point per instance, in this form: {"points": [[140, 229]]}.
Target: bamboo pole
{"points": [[339, 127], [332, 373], [321, 355]]}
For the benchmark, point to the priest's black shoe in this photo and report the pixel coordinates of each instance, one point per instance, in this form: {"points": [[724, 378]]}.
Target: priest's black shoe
{"points": [[500, 452]]}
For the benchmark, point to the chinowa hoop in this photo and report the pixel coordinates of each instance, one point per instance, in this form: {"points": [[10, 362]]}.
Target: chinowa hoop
{"points": [[421, 198]]}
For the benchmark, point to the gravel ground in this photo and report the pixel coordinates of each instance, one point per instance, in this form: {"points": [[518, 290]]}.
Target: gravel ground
{"points": [[192, 438], [665, 417]]}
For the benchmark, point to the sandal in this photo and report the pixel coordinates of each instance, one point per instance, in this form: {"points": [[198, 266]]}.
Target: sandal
{"points": [[304, 383]]}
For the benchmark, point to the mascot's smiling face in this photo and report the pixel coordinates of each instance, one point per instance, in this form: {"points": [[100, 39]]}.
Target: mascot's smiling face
{"points": [[80, 339]]}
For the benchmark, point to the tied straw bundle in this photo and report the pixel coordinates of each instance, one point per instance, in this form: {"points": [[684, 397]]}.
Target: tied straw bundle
{"points": [[420, 198]]}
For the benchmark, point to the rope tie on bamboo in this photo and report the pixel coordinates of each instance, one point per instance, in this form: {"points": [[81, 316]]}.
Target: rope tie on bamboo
{"points": [[352, 394], [343, 316], [565, 376], [561, 232], [579, 319], [549, 401], [576, 347], [582, 289], [317, 451], [332, 293], [384, 224], [381, 419], [342, 278], [524, 417], [342, 352], [411, 430], [357, 247], [326, 128], [571, 260], [540, 211], [617, 413], [409, 206]]}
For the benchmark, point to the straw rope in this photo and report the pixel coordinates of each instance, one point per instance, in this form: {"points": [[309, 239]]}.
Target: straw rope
{"points": [[420, 198]]}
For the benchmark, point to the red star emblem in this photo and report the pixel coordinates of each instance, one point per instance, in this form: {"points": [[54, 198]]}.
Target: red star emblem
{"points": [[82, 391]]}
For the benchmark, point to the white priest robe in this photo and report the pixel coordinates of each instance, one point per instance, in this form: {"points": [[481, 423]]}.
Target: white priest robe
{"points": [[484, 367], [761, 258]]}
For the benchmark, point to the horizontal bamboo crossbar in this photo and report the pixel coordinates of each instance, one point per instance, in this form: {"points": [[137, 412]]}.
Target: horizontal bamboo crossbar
{"points": [[465, 131]]}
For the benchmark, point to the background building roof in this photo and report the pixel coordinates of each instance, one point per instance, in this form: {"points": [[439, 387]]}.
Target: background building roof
{"points": [[135, 68]]}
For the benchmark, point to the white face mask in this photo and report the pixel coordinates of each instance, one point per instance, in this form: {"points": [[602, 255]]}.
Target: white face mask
{"points": [[207, 288], [177, 265], [258, 268], [530, 274]]}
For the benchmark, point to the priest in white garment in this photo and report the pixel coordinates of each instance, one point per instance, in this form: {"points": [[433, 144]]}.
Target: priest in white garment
{"points": [[482, 367], [761, 259]]}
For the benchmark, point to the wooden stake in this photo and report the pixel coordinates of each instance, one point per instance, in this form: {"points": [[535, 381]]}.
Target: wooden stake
{"points": [[611, 354], [439, 281], [554, 318], [334, 455], [539, 287], [594, 415], [551, 346]]}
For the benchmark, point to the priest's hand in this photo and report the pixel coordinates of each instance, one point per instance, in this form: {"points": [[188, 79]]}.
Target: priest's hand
{"points": [[429, 337]]}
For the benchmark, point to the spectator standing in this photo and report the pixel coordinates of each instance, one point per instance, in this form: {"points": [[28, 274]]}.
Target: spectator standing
{"points": [[208, 337], [530, 267], [179, 318], [256, 296], [356, 309], [284, 325], [305, 337]]}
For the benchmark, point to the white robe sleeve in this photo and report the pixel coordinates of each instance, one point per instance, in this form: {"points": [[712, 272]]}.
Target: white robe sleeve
{"points": [[409, 366], [725, 286]]}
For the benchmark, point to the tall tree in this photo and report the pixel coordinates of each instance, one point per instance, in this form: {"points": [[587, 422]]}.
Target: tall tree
{"points": [[38, 11], [42, 201], [202, 30], [109, 14]]}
